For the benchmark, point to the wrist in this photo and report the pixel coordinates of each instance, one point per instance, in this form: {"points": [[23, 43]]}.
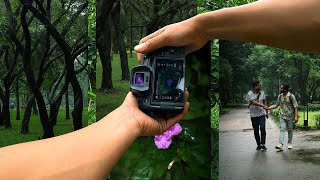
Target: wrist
{"points": [[125, 121], [198, 22]]}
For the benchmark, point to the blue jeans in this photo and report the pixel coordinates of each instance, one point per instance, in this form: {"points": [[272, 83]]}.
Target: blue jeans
{"points": [[284, 124], [256, 123]]}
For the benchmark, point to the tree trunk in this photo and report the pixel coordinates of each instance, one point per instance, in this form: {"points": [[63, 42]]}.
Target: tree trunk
{"points": [[54, 110], [314, 92], [104, 49], [131, 34], [103, 35], [35, 109], [17, 100], [6, 108], [302, 81], [27, 115], [1, 107], [47, 129], [78, 104], [120, 39], [1, 118], [67, 104]]}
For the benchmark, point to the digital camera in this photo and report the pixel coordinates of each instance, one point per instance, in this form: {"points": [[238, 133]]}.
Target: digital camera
{"points": [[159, 81]]}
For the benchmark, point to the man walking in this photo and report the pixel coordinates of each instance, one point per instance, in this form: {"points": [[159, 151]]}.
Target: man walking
{"points": [[288, 114], [258, 113]]}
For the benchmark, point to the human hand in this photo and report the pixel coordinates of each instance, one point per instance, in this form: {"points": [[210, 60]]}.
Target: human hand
{"points": [[295, 119], [265, 107], [185, 33], [146, 125], [267, 116]]}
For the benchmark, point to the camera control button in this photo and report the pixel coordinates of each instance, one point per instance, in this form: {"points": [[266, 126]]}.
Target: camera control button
{"points": [[146, 101]]}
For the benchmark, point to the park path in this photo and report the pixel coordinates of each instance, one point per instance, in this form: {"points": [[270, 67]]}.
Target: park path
{"points": [[239, 159]]}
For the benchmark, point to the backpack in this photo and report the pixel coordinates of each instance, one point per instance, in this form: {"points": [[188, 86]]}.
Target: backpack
{"points": [[257, 99]]}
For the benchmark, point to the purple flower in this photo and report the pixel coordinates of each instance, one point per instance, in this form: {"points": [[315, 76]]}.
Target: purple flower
{"points": [[162, 141], [174, 130]]}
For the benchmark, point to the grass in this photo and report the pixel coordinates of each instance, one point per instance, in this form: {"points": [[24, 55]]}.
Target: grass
{"points": [[13, 136], [107, 102], [311, 119]]}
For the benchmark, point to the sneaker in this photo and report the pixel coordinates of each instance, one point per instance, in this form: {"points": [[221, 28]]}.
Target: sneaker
{"points": [[279, 147], [258, 147], [263, 147], [289, 146]]}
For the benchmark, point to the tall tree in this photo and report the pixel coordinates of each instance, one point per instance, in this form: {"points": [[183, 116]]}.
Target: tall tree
{"points": [[17, 92], [103, 35], [120, 39]]}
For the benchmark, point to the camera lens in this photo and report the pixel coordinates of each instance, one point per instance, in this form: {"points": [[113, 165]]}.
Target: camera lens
{"points": [[139, 79]]}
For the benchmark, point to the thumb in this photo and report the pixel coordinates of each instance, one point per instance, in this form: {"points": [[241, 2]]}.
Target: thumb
{"points": [[130, 99]]}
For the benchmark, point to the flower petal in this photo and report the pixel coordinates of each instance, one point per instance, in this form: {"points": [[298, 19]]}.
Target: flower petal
{"points": [[162, 141], [174, 130]]}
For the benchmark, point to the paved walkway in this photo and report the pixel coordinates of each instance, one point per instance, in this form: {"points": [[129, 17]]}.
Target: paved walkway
{"points": [[239, 159]]}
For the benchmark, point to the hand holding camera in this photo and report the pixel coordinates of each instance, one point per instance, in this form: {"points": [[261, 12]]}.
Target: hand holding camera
{"points": [[159, 82]]}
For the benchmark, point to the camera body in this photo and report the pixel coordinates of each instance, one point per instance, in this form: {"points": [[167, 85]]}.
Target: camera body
{"points": [[159, 81]]}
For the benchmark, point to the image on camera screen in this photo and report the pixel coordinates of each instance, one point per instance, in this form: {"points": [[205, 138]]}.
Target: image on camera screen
{"points": [[169, 80], [139, 79]]}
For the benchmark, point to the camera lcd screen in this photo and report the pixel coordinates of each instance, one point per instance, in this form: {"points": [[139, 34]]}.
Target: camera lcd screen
{"points": [[139, 79], [169, 80]]}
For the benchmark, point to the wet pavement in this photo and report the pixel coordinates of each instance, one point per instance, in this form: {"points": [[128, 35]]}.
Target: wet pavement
{"points": [[239, 159]]}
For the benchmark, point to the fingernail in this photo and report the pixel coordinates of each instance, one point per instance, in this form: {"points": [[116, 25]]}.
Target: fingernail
{"points": [[139, 47]]}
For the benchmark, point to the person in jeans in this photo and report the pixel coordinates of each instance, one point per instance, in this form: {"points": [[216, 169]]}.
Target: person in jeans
{"points": [[258, 113], [288, 114]]}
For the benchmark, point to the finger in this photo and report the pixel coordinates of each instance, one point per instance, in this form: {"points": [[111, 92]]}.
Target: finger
{"points": [[150, 36], [186, 95], [152, 44], [139, 55], [136, 48], [174, 120], [144, 40], [130, 99]]}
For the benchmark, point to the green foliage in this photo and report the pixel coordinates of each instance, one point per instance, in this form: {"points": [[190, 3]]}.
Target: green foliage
{"points": [[317, 119], [92, 107], [244, 62], [210, 5], [215, 142], [311, 107], [274, 66], [313, 117], [92, 59]]}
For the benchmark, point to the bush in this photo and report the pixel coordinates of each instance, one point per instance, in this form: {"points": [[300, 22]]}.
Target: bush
{"points": [[276, 114], [311, 107], [317, 118]]}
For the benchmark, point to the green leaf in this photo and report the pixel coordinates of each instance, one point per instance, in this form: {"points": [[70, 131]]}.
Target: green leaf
{"points": [[149, 169]]}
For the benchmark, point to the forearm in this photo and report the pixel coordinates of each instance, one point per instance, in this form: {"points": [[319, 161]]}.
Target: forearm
{"points": [[256, 103], [296, 112], [273, 106], [290, 24], [89, 153]]}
